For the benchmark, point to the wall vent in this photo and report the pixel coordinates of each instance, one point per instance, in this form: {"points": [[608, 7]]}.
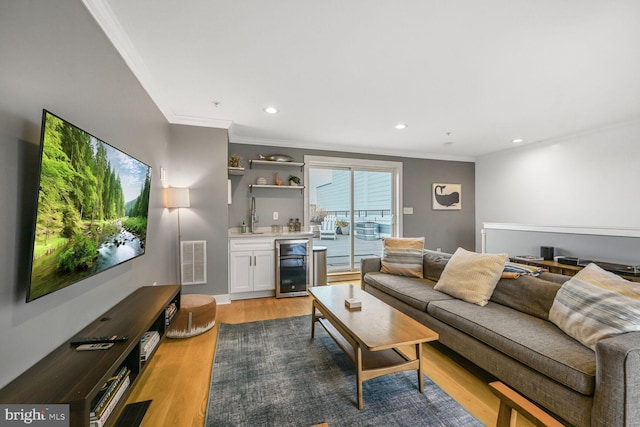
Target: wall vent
{"points": [[194, 262]]}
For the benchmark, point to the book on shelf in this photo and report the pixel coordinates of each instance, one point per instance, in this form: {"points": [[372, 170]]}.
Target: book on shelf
{"points": [[101, 420], [528, 258], [108, 389], [169, 312], [148, 343]]}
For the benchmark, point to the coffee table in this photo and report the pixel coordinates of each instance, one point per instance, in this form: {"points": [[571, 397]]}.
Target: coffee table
{"points": [[370, 336]]}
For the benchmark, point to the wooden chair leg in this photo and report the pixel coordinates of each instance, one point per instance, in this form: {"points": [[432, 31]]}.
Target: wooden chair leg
{"points": [[510, 400], [504, 415]]}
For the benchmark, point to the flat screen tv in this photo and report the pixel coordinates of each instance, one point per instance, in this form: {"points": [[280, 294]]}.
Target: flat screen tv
{"points": [[92, 210]]}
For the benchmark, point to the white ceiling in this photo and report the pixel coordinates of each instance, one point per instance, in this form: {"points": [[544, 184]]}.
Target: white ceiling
{"points": [[344, 72]]}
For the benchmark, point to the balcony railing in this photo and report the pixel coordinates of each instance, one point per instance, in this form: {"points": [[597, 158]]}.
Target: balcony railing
{"points": [[362, 213]]}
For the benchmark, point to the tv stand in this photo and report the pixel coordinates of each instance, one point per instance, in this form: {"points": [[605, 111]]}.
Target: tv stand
{"points": [[67, 376]]}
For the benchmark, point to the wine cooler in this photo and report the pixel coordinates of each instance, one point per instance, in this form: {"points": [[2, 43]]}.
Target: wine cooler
{"points": [[292, 267]]}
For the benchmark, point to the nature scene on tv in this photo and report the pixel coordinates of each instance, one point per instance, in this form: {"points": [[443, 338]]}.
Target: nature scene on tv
{"points": [[92, 208]]}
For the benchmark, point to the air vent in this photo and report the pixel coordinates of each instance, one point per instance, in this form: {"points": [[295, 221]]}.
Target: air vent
{"points": [[194, 262]]}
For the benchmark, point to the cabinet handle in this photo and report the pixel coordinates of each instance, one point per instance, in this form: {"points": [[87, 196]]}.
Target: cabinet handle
{"points": [[250, 261], [255, 260]]}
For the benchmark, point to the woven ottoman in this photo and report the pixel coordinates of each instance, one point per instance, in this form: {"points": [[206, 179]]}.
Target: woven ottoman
{"points": [[197, 315]]}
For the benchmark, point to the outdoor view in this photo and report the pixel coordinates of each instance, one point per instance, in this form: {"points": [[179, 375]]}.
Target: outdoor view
{"points": [[92, 208], [349, 235]]}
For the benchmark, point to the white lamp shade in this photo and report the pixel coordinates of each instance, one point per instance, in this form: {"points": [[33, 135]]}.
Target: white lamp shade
{"points": [[175, 197]]}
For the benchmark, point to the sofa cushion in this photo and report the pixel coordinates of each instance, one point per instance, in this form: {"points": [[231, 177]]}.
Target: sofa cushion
{"points": [[403, 256], [413, 291], [596, 304], [527, 294], [471, 276], [534, 342]]}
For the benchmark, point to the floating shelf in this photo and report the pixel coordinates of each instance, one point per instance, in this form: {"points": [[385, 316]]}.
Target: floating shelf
{"points": [[275, 163], [235, 171], [280, 187]]}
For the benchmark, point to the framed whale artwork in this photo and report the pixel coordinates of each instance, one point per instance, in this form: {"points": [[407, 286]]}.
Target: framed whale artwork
{"points": [[446, 197]]}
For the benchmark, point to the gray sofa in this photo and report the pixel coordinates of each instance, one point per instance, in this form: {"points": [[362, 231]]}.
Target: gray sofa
{"points": [[512, 339]]}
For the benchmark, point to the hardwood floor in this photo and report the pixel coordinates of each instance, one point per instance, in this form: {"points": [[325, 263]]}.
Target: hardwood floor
{"points": [[178, 376]]}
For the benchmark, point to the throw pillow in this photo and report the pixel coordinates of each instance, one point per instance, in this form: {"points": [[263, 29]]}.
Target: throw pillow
{"points": [[596, 304], [528, 294], [433, 264], [403, 256], [471, 276]]}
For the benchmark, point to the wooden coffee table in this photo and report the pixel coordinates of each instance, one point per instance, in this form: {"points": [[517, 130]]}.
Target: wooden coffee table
{"points": [[371, 335]]}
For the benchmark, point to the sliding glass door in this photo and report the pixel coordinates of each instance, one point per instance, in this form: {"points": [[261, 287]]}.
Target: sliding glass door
{"points": [[373, 214], [351, 205]]}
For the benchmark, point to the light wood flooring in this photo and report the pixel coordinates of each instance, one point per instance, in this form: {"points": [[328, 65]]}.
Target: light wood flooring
{"points": [[178, 376]]}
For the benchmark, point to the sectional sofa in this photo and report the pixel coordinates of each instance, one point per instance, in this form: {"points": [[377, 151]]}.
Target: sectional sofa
{"points": [[512, 338]]}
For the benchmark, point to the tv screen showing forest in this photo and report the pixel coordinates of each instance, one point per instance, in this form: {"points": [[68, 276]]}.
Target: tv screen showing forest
{"points": [[92, 207]]}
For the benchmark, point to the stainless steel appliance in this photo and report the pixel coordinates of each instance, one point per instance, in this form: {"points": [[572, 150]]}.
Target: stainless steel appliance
{"points": [[292, 267]]}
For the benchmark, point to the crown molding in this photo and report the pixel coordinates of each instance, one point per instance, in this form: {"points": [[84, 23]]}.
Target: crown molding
{"points": [[178, 119], [106, 19], [239, 139]]}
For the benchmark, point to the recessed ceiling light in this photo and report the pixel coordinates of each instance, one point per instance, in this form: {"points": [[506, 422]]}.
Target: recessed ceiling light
{"points": [[401, 126], [271, 110], [517, 140]]}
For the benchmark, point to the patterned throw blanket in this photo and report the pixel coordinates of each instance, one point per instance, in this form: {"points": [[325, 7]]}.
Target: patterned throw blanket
{"points": [[513, 270]]}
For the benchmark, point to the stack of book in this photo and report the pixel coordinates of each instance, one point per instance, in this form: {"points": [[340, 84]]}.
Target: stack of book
{"points": [[108, 397], [148, 343], [169, 312]]}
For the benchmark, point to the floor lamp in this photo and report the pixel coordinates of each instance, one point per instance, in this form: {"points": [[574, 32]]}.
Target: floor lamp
{"points": [[177, 197]]}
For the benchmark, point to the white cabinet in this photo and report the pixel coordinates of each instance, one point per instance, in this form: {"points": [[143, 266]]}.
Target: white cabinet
{"points": [[252, 266], [264, 271]]}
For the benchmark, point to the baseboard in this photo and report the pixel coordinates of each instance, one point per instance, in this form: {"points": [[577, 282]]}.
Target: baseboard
{"points": [[223, 299], [343, 277]]}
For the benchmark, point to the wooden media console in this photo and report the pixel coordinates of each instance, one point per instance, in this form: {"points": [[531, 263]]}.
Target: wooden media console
{"points": [[68, 376]]}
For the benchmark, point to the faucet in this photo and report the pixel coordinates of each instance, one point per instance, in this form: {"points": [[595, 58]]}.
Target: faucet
{"points": [[254, 217]]}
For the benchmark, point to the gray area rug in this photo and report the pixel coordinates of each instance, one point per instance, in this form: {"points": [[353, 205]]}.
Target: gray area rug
{"points": [[272, 374]]}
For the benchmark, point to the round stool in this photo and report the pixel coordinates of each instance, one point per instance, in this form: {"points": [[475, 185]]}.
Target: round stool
{"points": [[197, 315]]}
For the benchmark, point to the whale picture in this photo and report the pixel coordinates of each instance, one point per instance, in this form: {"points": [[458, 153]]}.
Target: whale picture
{"points": [[446, 196]]}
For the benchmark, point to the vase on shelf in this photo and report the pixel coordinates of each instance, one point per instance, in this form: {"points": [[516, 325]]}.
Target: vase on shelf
{"points": [[294, 180]]}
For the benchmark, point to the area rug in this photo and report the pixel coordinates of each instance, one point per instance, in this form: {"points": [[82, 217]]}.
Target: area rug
{"points": [[272, 374]]}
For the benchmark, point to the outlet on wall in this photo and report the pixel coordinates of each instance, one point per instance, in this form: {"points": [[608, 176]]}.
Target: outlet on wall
{"points": [[276, 215]]}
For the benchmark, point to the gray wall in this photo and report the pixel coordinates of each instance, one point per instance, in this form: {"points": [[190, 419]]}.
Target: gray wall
{"points": [[55, 56], [442, 229], [586, 180], [199, 161]]}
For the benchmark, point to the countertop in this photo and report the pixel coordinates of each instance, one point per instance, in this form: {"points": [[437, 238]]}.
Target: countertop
{"points": [[235, 233]]}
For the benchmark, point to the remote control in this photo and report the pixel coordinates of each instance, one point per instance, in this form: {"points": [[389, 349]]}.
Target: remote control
{"points": [[97, 340], [98, 346]]}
